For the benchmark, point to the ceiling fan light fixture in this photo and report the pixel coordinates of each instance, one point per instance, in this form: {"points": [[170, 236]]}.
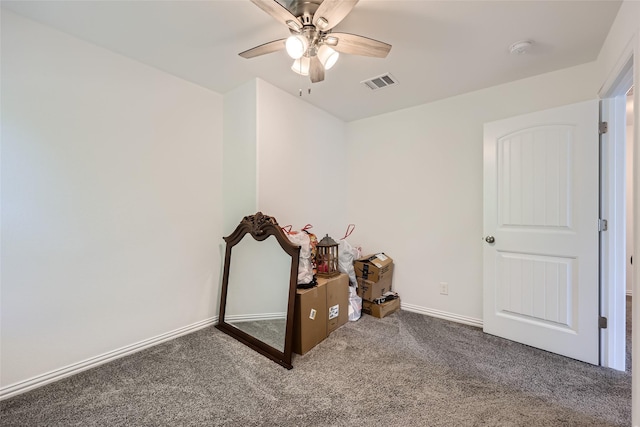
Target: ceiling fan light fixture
{"points": [[301, 66], [294, 25], [322, 23], [331, 41], [311, 40], [327, 56], [296, 46]]}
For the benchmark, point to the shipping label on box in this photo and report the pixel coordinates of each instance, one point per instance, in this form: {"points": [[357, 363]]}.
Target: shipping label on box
{"points": [[337, 290], [368, 290], [374, 267], [334, 311]]}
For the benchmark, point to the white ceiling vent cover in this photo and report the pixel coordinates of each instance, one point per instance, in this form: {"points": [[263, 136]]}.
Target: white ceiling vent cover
{"points": [[379, 82]]}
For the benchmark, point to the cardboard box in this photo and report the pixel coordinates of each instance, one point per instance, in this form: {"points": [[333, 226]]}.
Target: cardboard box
{"points": [[337, 290], [374, 267], [309, 318], [368, 290], [381, 310]]}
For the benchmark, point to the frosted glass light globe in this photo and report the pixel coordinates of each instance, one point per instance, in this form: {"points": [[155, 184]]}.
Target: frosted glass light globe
{"points": [[301, 66], [296, 46], [327, 56]]}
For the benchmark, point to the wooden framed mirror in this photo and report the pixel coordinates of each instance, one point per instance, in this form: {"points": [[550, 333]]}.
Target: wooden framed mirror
{"points": [[259, 287]]}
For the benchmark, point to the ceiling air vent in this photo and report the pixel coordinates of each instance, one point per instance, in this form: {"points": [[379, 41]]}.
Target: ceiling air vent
{"points": [[379, 82]]}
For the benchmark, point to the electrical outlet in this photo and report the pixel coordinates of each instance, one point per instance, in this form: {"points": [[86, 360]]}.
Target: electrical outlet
{"points": [[444, 288]]}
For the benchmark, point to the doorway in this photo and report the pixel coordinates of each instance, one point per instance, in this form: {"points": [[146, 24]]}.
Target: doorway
{"points": [[617, 225], [630, 124]]}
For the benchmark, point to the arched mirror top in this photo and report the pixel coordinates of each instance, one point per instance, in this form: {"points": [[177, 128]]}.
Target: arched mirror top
{"points": [[261, 226]]}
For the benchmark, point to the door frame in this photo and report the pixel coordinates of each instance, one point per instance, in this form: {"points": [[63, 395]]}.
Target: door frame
{"points": [[613, 209], [613, 241]]}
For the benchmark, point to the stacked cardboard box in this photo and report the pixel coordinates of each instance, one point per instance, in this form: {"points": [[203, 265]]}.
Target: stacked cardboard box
{"points": [[381, 310], [309, 318], [374, 275], [337, 289], [320, 311]]}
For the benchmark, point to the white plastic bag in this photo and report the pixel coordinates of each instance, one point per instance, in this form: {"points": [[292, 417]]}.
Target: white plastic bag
{"points": [[305, 267], [347, 254], [355, 304]]}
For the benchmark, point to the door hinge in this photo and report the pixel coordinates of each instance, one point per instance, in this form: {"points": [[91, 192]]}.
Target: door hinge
{"points": [[602, 225], [603, 127], [602, 322]]}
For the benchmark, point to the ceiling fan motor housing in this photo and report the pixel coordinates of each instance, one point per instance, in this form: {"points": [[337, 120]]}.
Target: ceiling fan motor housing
{"points": [[314, 37], [303, 9]]}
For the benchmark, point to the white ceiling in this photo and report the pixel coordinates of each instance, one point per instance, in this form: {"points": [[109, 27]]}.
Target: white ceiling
{"points": [[440, 48]]}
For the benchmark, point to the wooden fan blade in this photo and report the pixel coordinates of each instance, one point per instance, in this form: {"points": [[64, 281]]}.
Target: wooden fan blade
{"points": [[275, 9], [316, 70], [360, 45], [263, 49], [332, 11]]}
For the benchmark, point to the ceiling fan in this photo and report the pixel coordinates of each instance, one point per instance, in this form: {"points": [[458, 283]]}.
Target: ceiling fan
{"points": [[312, 44]]}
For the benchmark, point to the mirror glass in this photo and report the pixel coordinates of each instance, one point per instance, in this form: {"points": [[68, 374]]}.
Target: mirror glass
{"points": [[258, 290]]}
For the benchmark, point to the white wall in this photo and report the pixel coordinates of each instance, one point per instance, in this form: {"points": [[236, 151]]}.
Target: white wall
{"points": [[301, 163], [284, 157], [415, 186], [622, 38], [275, 147], [111, 203], [239, 155]]}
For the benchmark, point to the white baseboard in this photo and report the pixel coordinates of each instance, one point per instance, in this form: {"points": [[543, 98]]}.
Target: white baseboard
{"points": [[442, 314], [58, 374], [629, 292]]}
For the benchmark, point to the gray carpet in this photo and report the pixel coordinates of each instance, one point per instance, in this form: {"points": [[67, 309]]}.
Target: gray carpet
{"points": [[404, 370]]}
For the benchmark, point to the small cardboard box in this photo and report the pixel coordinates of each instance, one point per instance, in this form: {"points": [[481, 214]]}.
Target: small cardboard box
{"points": [[368, 290], [381, 310], [374, 267], [309, 318], [337, 290]]}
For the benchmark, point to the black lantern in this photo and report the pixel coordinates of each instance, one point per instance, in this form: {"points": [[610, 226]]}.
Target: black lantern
{"points": [[327, 257]]}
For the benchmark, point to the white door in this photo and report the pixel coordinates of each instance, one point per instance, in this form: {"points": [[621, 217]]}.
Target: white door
{"points": [[541, 191]]}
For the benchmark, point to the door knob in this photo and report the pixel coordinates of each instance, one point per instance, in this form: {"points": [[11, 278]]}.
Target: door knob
{"points": [[489, 239]]}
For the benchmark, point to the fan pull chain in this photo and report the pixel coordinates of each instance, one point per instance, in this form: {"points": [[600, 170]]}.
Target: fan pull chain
{"points": [[302, 78]]}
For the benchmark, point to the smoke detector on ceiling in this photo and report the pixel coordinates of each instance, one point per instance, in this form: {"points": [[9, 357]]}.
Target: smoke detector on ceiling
{"points": [[521, 47]]}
